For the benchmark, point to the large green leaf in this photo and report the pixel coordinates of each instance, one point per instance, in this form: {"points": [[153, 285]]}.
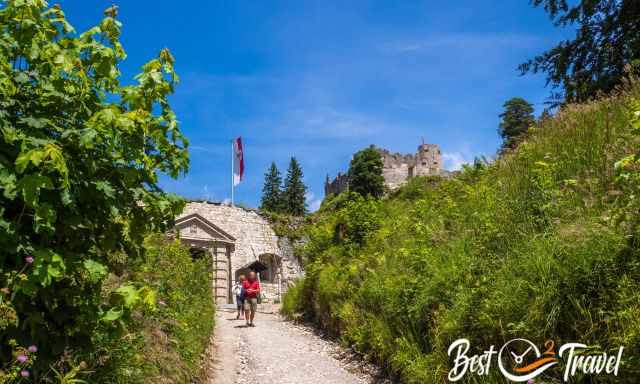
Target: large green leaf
{"points": [[8, 184], [44, 218], [129, 295], [30, 185], [33, 156], [112, 314], [47, 267]]}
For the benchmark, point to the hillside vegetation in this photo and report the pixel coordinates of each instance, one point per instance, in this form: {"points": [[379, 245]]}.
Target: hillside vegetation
{"points": [[542, 244], [164, 341]]}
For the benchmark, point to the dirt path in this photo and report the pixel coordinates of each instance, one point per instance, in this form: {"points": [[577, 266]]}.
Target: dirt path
{"points": [[277, 352]]}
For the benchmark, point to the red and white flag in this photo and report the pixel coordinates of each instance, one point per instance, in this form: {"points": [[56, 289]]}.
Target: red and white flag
{"points": [[238, 161]]}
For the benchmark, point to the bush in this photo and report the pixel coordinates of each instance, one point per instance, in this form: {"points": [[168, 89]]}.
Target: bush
{"points": [[164, 344], [80, 158]]}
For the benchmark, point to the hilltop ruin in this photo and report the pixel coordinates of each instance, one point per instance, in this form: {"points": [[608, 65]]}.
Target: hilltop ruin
{"points": [[397, 168]]}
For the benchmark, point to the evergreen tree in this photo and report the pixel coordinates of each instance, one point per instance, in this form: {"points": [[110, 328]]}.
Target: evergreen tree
{"points": [[516, 120], [293, 196], [271, 191], [544, 116], [365, 173], [606, 42]]}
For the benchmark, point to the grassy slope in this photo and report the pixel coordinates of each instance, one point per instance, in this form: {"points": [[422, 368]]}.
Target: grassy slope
{"points": [[526, 247], [165, 344]]}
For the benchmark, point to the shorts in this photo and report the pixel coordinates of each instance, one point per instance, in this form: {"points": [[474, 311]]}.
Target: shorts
{"points": [[251, 304], [240, 302]]}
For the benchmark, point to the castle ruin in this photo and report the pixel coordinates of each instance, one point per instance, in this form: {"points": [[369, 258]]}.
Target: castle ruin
{"points": [[397, 168]]}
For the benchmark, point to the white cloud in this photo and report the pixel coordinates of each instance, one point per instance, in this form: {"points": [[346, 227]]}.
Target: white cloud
{"points": [[313, 203], [461, 41], [209, 149], [327, 123], [206, 195], [453, 161]]}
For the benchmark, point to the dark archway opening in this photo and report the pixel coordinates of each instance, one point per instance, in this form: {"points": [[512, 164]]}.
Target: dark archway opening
{"points": [[197, 253]]}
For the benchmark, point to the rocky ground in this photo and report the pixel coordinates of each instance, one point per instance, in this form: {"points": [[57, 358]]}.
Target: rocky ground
{"points": [[280, 352]]}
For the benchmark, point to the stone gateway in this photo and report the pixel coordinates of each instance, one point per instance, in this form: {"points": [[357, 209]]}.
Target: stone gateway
{"points": [[238, 240]]}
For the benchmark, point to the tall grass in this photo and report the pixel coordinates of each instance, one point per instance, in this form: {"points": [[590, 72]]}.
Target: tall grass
{"points": [[524, 247], [165, 344]]}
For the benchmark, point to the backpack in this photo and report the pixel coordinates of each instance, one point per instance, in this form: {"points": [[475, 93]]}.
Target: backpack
{"points": [[240, 292]]}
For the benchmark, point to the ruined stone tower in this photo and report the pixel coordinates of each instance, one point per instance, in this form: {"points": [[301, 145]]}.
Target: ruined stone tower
{"points": [[428, 161], [398, 168]]}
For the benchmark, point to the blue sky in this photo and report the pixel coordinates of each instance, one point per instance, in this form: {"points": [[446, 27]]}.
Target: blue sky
{"points": [[319, 80]]}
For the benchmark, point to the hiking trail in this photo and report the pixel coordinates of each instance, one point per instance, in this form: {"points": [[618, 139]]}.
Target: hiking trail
{"points": [[276, 351]]}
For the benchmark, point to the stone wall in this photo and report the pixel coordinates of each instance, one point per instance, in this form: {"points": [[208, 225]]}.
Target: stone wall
{"points": [[254, 237], [337, 185], [428, 161], [396, 167]]}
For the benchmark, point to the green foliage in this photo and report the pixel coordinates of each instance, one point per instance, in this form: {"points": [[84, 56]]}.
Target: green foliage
{"points": [[271, 193], [164, 339], [542, 244], [365, 173], [628, 178], [293, 195], [357, 220], [293, 302], [515, 121], [606, 41], [80, 158]]}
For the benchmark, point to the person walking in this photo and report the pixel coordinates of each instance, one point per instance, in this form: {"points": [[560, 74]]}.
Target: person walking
{"points": [[240, 293], [252, 290]]}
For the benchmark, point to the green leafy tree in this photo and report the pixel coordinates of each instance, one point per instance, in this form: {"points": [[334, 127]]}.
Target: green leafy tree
{"points": [[271, 191], [358, 219], [606, 41], [515, 121], [293, 196], [80, 157], [365, 173]]}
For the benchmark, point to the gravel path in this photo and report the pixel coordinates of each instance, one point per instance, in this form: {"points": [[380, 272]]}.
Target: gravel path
{"points": [[278, 352]]}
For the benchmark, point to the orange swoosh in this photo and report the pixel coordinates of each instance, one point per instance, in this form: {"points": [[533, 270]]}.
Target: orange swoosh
{"points": [[535, 364]]}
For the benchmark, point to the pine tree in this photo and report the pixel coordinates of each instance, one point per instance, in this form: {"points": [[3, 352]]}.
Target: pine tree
{"points": [[271, 191], [516, 120], [293, 196], [365, 173]]}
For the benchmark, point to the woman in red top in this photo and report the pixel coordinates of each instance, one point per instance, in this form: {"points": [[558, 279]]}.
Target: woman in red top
{"points": [[252, 289]]}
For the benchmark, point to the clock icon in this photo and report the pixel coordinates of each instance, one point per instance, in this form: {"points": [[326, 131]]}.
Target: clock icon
{"points": [[520, 360]]}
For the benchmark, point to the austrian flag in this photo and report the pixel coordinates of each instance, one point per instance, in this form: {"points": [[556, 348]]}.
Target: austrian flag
{"points": [[238, 161]]}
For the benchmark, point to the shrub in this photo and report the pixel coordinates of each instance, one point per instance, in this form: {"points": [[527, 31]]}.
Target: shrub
{"points": [[80, 158], [164, 344]]}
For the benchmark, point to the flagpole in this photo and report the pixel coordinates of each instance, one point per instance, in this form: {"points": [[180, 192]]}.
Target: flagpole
{"points": [[232, 170]]}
